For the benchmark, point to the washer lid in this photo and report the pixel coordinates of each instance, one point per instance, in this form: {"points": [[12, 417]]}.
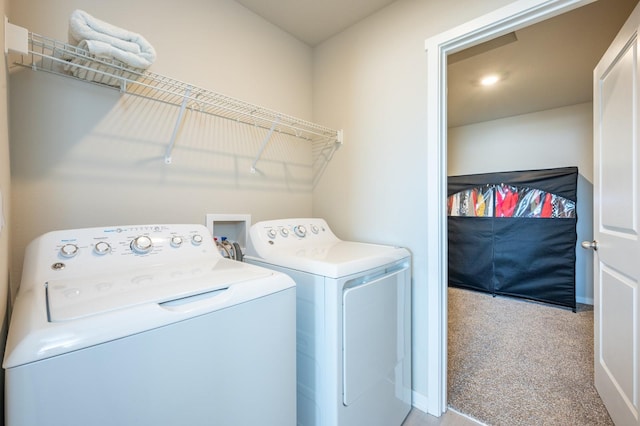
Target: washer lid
{"points": [[335, 260], [72, 299]]}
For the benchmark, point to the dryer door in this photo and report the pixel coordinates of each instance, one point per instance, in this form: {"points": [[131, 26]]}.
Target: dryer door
{"points": [[373, 332]]}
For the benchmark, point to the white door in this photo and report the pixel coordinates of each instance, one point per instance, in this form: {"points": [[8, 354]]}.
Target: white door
{"points": [[617, 225]]}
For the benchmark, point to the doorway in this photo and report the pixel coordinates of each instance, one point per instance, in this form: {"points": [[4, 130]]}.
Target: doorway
{"points": [[502, 21], [561, 127]]}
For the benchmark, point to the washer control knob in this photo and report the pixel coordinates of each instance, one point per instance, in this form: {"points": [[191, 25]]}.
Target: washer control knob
{"points": [[176, 241], [300, 231], [272, 233], [314, 229], [68, 250], [101, 248], [197, 239], [142, 244], [284, 232]]}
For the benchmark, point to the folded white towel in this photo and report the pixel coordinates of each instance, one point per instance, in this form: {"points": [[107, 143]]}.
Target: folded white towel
{"points": [[108, 41]]}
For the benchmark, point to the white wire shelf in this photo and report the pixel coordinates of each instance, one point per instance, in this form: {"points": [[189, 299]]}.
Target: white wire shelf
{"points": [[50, 55]]}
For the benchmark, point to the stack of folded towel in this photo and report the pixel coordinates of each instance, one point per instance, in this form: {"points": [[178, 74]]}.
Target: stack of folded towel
{"points": [[109, 43]]}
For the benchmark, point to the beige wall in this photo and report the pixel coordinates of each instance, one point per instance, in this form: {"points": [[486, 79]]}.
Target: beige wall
{"points": [[370, 80], [560, 137], [84, 155]]}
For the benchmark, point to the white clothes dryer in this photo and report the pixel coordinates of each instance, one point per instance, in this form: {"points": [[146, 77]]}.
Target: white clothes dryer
{"points": [[148, 325], [353, 321]]}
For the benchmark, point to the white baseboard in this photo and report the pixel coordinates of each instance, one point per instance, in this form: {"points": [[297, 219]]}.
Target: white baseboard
{"points": [[584, 300], [419, 401]]}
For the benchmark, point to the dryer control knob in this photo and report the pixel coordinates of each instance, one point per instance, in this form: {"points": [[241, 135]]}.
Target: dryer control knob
{"points": [[314, 229], [284, 232], [272, 233], [142, 244], [176, 241], [196, 240], [300, 231], [101, 248], [68, 250]]}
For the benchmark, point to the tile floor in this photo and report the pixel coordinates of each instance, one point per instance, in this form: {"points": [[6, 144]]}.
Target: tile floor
{"points": [[450, 418]]}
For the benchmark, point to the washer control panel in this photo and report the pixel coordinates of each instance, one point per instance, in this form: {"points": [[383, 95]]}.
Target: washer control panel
{"points": [[97, 249]]}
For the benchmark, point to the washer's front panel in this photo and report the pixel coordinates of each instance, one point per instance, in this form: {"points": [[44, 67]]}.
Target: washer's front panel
{"points": [[231, 367]]}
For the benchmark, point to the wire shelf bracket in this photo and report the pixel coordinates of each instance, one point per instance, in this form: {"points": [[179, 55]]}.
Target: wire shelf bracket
{"points": [[265, 141], [42, 53], [172, 141]]}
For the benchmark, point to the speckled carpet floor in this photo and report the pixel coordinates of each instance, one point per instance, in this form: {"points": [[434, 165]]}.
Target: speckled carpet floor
{"points": [[519, 363]]}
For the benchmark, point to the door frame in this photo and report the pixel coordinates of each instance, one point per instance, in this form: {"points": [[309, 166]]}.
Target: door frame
{"points": [[512, 17]]}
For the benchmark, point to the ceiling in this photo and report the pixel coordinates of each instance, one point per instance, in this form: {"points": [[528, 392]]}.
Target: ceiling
{"points": [[549, 65], [313, 21]]}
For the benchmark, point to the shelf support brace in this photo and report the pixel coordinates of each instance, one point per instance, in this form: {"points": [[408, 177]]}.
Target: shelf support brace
{"points": [[264, 144], [167, 155]]}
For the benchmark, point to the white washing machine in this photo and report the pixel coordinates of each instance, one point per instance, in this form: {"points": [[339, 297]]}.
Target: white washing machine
{"points": [[148, 325], [353, 321]]}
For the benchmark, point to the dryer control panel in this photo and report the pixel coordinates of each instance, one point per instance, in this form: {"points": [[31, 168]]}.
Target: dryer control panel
{"points": [[290, 233], [309, 245]]}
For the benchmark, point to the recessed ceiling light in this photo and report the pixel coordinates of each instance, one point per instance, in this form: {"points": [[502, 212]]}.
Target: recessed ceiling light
{"points": [[489, 80]]}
